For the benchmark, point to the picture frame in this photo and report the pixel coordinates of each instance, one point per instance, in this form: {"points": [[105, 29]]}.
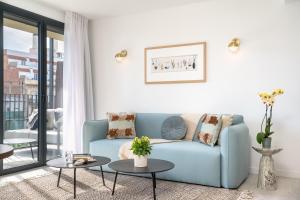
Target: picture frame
{"points": [[179, 63]]}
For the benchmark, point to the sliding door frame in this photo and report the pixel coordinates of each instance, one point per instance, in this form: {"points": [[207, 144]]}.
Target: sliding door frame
{"points": [[1, 82], [43, 24]]}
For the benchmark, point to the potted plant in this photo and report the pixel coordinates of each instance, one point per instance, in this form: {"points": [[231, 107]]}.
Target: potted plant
{"points": [[263, 137], [141, 148]]}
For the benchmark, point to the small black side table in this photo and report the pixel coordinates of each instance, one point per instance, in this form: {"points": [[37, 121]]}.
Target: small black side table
{"points": [[154, 166], [61, 164], [28, 141], [5, 151]]}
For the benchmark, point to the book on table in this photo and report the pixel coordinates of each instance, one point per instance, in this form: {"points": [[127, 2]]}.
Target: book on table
{"points": [[83, 159]]}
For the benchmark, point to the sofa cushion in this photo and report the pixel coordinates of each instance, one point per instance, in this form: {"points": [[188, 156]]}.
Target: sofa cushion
{"points": [[32, 123], [198, 129], [50, 119], [149, 124], [210, 129], [107, 147], [227, 121], [237, 119], [173, 128], [191, 120], [121, 125], [194, 161], [58, 118]]}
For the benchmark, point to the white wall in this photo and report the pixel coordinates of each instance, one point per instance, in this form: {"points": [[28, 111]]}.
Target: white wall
{"points": [[269, 58], [36, 7]]}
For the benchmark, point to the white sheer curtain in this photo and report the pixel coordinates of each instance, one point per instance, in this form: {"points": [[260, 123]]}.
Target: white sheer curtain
{"points": [[77, 85]]}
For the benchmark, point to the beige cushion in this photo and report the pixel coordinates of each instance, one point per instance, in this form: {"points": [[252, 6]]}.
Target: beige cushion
{"points": [[121, 125], [50, 119], [191, 120], [226, 122]]}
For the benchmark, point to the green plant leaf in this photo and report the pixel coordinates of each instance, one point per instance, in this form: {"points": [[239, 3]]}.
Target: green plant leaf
{"points": [[260, 137], [271, 133], [141, 146]]}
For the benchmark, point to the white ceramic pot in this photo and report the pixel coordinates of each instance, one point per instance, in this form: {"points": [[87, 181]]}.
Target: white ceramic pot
{"points": [[140, 161]]}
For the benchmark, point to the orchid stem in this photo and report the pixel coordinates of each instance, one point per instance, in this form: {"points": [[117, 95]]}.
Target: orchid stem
{"points": [[265, 117]]}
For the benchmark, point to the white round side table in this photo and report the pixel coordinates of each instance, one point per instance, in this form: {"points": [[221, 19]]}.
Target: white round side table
{"points": [[267, 178]]}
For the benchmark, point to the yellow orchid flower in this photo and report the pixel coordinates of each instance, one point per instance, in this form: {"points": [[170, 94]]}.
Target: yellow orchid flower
{"points": [[269, 99], [277, 92]]}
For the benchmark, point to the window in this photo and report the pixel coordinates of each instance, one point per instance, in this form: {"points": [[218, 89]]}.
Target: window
{"points": [[31, 65]]}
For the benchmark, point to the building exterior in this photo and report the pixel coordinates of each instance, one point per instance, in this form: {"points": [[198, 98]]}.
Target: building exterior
{"points": [[21, 83]]}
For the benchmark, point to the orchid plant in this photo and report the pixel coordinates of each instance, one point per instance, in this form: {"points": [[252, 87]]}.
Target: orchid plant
{"points": [[268, 99]]}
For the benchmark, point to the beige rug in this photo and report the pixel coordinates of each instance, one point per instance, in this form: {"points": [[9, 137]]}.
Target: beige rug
{"points": [[89, 186]]}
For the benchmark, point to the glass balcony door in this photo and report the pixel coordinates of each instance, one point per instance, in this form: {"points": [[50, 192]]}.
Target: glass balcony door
{"points": [[55, 56], [30, 88], [20, 91]]}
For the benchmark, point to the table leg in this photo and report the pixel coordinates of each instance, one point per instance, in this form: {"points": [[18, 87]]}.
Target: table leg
{"points": [[74, 183], [113, 191], [103, 181], [59, 174], [266, 175], [154, 184], [31, 151]]}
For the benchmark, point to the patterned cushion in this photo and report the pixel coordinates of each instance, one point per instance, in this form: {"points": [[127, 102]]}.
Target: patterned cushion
{"points": [[173, 128], [198, 128], [121, 125], [210, 129], [33, 121]]}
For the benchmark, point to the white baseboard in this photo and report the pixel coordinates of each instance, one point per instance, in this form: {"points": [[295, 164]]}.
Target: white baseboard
{"points": [[283, 173]]}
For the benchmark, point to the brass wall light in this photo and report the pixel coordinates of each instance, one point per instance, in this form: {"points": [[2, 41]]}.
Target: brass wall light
{"points": [[234, 45], [120, 56]]}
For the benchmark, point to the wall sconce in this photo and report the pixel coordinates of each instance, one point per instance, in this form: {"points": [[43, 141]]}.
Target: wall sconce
{"points": [[234, 45], [120, 56]]}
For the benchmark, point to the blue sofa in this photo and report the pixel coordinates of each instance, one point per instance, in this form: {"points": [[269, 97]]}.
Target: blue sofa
{"points": [[225, 166]]}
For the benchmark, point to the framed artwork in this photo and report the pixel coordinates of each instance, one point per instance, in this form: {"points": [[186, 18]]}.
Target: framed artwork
{"points": [[181, 63]]}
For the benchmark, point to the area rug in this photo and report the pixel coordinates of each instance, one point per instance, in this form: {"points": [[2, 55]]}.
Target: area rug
{"points": [[89, 187]]}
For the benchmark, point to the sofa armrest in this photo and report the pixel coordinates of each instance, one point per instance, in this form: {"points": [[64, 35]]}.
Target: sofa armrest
{"points": [[235, 155], [93, 130]]}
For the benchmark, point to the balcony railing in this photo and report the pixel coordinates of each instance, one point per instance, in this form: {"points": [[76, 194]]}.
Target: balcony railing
{"points": [[17, 109]]}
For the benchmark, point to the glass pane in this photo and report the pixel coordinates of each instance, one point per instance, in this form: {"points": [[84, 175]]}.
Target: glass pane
{"points": [[55, 56], [20, 92]]}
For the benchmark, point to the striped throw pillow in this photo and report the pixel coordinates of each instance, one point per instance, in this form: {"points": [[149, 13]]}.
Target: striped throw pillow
{"points": [[121, 125]]}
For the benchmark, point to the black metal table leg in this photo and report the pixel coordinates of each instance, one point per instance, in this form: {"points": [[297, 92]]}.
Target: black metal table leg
{"points": [[103, 181], [154, 184], [31, 151], [59, 174], [113, 191], [74, 183]]}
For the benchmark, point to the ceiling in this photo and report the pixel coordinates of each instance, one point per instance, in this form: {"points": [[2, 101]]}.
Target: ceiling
{"points": [[94, 9]]}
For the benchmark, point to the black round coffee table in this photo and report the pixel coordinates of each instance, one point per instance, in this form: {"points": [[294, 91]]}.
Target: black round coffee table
{"points": [[62, 164], [154, 166]]}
